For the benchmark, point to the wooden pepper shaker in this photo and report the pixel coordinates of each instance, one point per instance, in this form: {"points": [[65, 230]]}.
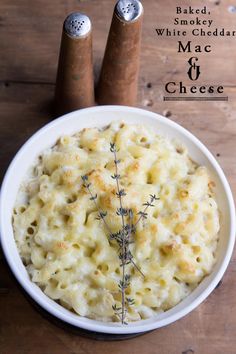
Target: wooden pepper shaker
{"points": [[75, 83], [119, 74]]}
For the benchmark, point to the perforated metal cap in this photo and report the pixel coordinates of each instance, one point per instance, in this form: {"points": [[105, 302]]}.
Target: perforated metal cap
{"points": [[77, 25], [128, 10]]}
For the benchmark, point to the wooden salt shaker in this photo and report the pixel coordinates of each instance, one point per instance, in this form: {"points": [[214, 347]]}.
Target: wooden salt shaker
{"points": [[75, 83], [119, 74]]}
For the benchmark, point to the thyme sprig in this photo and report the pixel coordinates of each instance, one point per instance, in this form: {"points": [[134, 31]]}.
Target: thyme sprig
{"points": [[123, 236], [125, 255], [93, 197], [143, 214]]}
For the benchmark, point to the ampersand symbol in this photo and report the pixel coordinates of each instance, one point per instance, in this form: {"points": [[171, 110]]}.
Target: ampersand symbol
{"points": [[194, 70]]}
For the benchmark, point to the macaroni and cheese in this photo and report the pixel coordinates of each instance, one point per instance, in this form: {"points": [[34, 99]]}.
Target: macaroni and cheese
{"points": [[66, 249]]}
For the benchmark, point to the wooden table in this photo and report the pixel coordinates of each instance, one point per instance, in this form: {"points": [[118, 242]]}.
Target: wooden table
{"points": [[29, 44]]}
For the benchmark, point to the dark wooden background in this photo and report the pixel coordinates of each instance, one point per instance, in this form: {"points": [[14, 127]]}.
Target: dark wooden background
{"points": [[29, 44]]}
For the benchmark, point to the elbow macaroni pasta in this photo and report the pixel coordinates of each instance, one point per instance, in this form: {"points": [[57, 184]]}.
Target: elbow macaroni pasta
{"points": [[66, 249]]}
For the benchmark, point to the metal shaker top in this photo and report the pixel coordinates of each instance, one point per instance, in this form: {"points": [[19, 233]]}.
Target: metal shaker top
{"points": [[128, 10], [77, 25]]}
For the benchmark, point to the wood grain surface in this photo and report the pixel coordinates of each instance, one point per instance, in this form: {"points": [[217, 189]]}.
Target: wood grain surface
{"points": [[29, 44]]}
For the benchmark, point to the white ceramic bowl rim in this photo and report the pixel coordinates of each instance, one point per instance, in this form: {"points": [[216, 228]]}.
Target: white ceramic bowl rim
{"points": [[191, 302]]}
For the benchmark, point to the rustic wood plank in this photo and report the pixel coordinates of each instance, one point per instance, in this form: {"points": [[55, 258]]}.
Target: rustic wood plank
{"points": [[30, 107], [40, 27], [29, 51]]}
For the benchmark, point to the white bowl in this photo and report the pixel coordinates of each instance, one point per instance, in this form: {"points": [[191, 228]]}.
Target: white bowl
{"points": [[98, 117]]}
